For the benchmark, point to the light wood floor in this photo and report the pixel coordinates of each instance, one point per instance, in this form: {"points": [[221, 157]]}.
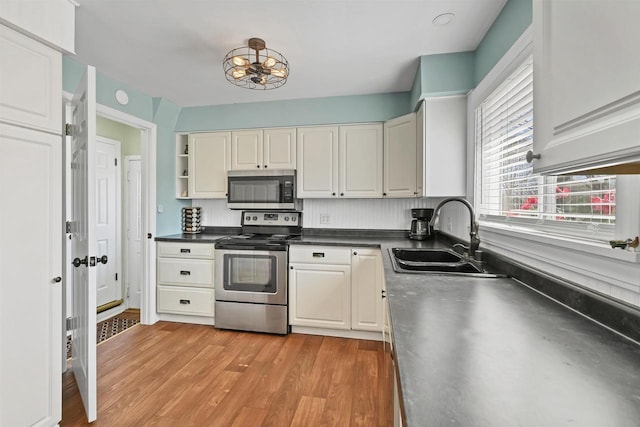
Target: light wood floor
{"points": [[173, 374]]}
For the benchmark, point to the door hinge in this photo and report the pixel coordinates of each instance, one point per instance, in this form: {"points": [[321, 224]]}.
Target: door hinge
{"points": [[68, 227], [71, 323], [68, 129]]}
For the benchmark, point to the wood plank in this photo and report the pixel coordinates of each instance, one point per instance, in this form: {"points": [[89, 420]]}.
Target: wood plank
{"points": [[309, 412], [171, 374]]}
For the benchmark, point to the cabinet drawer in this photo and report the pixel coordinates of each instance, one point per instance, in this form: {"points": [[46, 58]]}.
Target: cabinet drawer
{"points": [[185, 250], [177, 300], [191, 272], [319, 254]]}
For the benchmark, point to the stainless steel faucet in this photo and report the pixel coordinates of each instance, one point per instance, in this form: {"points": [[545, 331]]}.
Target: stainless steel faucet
{"points": [[474, 241]]}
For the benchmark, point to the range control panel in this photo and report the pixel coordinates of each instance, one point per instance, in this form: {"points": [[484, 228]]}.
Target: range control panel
{"points": [[270, 218]]}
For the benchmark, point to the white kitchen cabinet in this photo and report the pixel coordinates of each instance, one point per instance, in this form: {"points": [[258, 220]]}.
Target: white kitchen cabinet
{"points": [[400, 157], [279, 148], [335, 287], [360, 161], [30, 231], [185, 278], [344, 161], [263, 149], [317, 159], [586, 89], [442, 132], [366, 289], [209, 161], [320, 287], [31, 82]]}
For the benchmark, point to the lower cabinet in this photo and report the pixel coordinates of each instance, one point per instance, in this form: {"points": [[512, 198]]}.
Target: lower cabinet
{"points": [[335, 287], [185, 278]]}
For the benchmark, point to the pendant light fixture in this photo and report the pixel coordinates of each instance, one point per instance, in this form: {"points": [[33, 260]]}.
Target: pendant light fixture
{"points": [[256, 67]]}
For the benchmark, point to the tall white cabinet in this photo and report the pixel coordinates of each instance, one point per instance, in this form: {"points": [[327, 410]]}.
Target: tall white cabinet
{"points": [[30, 217]]}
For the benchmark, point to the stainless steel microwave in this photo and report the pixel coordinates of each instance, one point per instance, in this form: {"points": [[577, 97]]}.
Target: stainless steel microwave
{"points": [[275, 189]]}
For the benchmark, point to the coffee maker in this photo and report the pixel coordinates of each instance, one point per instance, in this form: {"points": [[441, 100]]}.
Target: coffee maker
{"points": [[420, 229]]}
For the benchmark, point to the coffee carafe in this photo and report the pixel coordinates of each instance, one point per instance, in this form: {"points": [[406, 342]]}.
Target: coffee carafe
{"points": [[420, 229]]}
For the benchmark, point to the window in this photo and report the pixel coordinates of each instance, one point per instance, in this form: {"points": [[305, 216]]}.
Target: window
{"points": [[508, 188]]}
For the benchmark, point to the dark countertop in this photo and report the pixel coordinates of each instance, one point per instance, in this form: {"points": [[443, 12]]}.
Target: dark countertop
{"points": [[493, 352]]}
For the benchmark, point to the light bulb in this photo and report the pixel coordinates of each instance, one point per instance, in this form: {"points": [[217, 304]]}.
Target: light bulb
{"points": [[269, 62], [279, 72], [240, 61], [238, 73]]}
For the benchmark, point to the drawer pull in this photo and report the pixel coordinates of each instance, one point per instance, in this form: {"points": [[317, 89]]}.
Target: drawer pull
{"points": [[318, 254], [185, 301], [185, 273], [185, 251]]}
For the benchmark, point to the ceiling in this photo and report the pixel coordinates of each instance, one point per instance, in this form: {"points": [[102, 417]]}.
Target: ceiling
{"points": [[174, 48]]}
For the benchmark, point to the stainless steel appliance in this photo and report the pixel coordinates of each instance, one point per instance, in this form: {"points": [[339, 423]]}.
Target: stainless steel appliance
{"points": [[251, 276], [420, 228], [273, 189]]}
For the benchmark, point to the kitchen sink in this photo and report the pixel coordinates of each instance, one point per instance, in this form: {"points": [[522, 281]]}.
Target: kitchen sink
{"points": [[435, 261]]}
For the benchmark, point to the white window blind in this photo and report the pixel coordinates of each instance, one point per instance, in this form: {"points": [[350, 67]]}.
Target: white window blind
{"points": [[508, 188]]}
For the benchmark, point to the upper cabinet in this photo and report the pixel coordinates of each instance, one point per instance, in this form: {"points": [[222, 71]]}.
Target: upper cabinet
{"points": [[586, 86], [263, 149], [401, 154], [317, 175], [344, 161], [442, 131], [51, 21], [209, 157], [34, 97]]}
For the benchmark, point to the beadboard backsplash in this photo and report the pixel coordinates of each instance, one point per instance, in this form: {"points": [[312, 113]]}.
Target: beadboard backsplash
{"points": [[383, 214]]}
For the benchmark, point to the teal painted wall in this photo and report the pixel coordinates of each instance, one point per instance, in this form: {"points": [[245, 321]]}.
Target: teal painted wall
{"points": [[443, 75], [299, 112], [516, 16], [156, 110]]}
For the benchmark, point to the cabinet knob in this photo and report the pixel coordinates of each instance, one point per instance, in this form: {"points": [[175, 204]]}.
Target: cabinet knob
{"points": [[531, 156], [265, 166], [291, 267], [333, 194], [341, 194], [355, 253], [258, 166], [384, 194]]}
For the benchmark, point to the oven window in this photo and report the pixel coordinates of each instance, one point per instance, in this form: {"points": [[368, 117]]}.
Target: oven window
{"points": [[254, 190], [250, 273]]}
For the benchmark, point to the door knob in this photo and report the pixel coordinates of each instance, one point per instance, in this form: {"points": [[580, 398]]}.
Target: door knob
{"points": [[103, 259], [77, 262], [57, 279]]}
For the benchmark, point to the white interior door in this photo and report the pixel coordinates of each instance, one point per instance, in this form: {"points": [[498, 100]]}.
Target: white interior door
{"points": [[133, 218], [83, 184], [108, 213]]}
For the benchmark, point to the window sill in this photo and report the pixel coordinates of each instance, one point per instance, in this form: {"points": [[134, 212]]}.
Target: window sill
{"points": [[572, 244]]}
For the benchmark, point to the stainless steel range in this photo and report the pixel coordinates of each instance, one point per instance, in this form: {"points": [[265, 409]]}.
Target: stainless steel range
{"points": [[251, 273]]}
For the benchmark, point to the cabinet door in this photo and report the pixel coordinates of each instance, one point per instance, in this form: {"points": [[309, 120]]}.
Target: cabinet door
{"points": [[360, 161], [445, 151], [30, 284], [246, 150], [400, 157], [366, 290], [587, 91], [209, 160], [317, 162], [33, 96], [320, 295], [279, 148]]}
